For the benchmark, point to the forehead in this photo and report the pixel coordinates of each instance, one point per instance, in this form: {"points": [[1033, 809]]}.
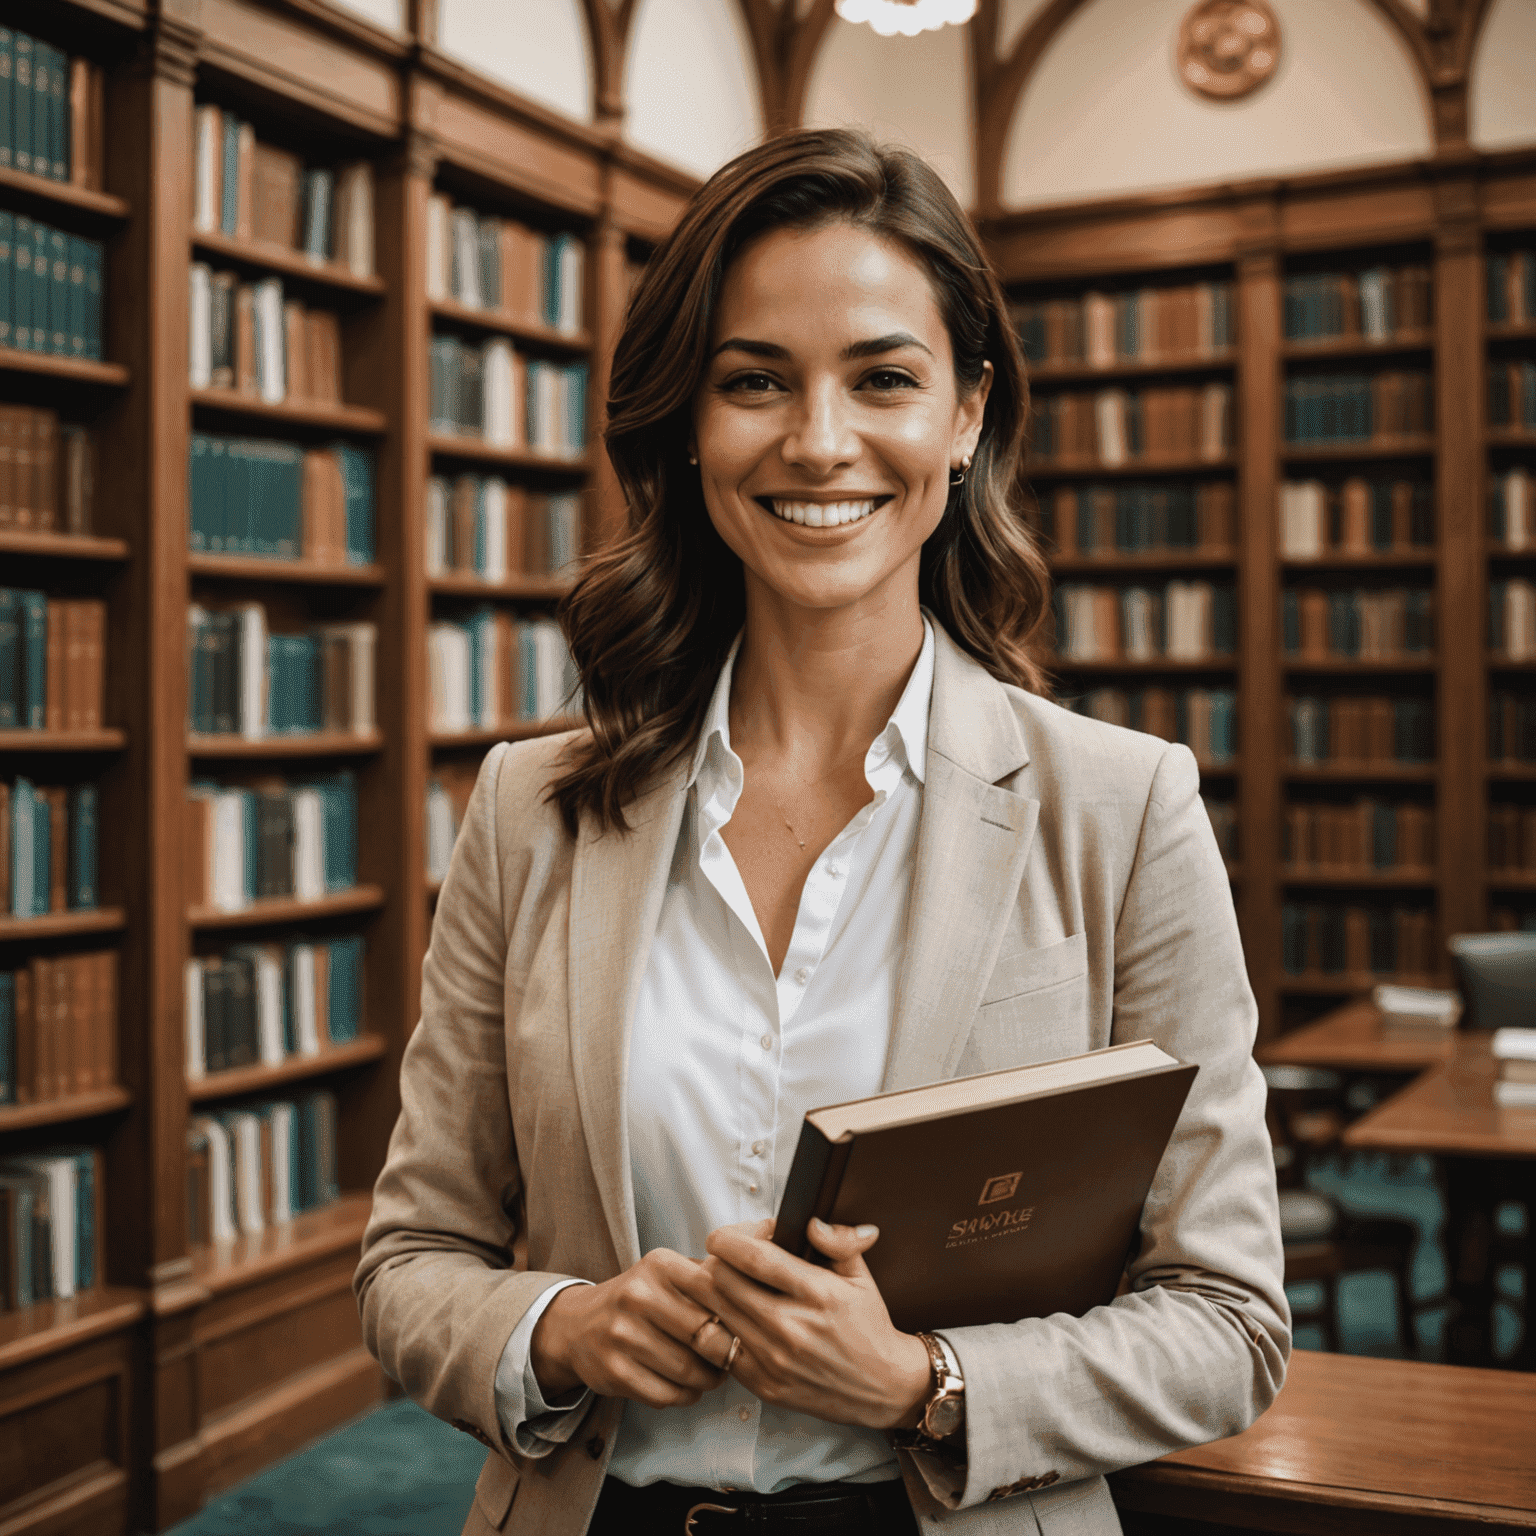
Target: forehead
{"points": [[834, 284]]}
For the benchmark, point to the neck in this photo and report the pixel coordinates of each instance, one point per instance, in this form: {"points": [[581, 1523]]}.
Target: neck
{"points": [[812, 686]]}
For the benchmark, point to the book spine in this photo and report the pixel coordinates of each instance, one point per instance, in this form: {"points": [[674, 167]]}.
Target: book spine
{"points": [[21, 101], [7, 139], [811, 1190]]}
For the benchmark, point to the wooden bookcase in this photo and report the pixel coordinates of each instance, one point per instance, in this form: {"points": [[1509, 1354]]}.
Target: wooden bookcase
{"points": [[192, 1367], [1441, 215]]}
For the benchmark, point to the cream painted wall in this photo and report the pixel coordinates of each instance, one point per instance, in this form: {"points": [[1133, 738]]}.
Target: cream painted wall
{"points": [[384, 13], [1502, 104], [538, 48], [1105, 112], [690, 85], [912, 90]]}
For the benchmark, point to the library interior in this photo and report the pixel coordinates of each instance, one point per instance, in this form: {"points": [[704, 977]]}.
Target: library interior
{"points": [[307, 310]]}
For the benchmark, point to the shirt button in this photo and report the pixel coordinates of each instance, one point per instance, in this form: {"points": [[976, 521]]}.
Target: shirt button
{"points": [[835, 870], [757, 1149], [751, 1189], [766, 1042], [744, 1414], [802, 976]]}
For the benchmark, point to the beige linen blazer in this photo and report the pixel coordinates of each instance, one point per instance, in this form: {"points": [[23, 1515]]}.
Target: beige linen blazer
{"points": [[1067, 894]]}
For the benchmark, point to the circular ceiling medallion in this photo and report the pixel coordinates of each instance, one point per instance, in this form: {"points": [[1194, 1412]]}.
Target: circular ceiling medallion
{"points": [[1228, 48]]}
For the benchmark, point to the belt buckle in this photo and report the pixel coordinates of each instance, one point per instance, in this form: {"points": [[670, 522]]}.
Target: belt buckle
{"points": [[703, 1509]]}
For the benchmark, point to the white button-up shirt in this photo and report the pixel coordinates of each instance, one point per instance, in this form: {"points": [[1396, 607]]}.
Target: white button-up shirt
{"points": [[725, 1058]]}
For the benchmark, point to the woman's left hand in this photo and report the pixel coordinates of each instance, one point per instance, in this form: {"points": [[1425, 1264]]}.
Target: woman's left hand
{"points": [[818, 1341]]}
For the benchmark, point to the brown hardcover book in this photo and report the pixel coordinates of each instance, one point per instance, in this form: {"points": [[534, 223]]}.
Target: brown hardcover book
{"points": [[199, 1193], [198, 850], [1355, 517], [244, 340], [1312, 609], [106, 1019], [8, 414], [82, 1031], [76, 683], [245, 174], [45, 489], [26, 1036], [537, 554], [1011, 1194], [296, 351], [520, 509], [44, 1047], [323, 356], [1064, 520], [461, 522], [23, 432], [321, 472], [76, 479], [323, 995], [10, 1249], [276, 179], [79, 122], [93, 665], [521, 277], [58, 848], [53, 667]]}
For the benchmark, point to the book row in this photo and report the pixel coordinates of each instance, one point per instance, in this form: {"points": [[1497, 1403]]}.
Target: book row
{"points": [[496, 264], [250, 190], [1148, 325], [274, 840], [1203, 719], [1376, 305], [1223, 814], [1141, 519], [247, 682], [1119, 426], [1357, 626], [51, 111], [1512, 838], [1512, 509], [1511, 727], [48, 848], [479, 525], [51, 1225], [506, 400], [52, 662], [260, 1004], [58, 1027], [1183, 621], [448, 792], [1512, 287], [47, 472], [491, 670], [1360, 730], [50, 289], [248, 337], [279, 501], [1356, 516], [1370, 834], [1331, 939], [1512, 619], [1512, 394], [260, 1166], [1358, 407]]}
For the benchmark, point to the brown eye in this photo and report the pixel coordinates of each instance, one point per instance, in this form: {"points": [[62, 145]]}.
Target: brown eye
{"points": [[889, 378]]}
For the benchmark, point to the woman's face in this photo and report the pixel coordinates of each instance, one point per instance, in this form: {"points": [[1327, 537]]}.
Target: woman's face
{"points": [[829, 418]]}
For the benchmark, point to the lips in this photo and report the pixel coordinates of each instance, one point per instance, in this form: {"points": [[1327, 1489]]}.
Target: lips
{"points": [[822, 514]]}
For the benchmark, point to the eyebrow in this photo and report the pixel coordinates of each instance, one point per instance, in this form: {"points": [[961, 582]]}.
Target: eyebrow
{"points": [[874, 347]]}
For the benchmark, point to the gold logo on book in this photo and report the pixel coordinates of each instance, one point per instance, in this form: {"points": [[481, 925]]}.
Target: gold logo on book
{"points": [[1002, 1187]]}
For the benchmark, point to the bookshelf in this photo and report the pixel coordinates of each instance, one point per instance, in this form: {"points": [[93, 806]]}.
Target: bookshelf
{"points": [[1279, 243], [187, 1366]]}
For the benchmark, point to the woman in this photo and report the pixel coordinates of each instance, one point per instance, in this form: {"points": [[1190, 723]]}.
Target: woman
{"points": [[823, 837]]}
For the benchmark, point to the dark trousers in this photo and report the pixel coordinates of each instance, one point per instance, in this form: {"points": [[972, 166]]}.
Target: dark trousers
{"points": [[808, 1509]]}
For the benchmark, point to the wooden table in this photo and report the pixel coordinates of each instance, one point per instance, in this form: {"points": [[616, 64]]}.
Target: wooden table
{"points": [[1353, 1039], [1357, 1446], [1487, 1155]]}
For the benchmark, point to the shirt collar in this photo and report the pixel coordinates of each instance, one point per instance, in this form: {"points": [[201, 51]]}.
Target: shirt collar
{"points": [[905, 732]]}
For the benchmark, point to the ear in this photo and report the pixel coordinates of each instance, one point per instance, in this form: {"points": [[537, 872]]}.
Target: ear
{"points": [[969, 415]]}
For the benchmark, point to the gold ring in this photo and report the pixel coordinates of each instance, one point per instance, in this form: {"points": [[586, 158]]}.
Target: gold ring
{"points": [[730, 1358]]}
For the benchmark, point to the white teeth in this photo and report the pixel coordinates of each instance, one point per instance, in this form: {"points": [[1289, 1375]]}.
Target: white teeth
{"points": [[813, 516], [816, 514]]}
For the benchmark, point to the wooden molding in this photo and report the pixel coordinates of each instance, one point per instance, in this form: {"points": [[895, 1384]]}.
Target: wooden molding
{"points": [[169, 52], [785, 42]]}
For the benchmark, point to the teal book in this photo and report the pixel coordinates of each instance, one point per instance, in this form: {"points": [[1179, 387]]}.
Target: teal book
{"points": [[58, 114], [21, 102], [42, 853], [85, 1216], [20, 280], [357, 481], [229, 214], [319, 198], [346, 988], [34, 659], [23, 828], [93, 281], [199, 496], [7, 1042], [42, 99], [10, 659], [79, 256], [42, 284], [7, 71], [7, 236], [23, 1195], [58, 293], [82, 848]]}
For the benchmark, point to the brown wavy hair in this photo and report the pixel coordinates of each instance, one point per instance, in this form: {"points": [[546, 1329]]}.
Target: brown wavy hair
{"points": [[653, 615]]}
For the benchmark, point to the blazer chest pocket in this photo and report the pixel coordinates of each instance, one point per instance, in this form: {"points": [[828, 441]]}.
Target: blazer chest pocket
{"points": [[1035, 1008]]}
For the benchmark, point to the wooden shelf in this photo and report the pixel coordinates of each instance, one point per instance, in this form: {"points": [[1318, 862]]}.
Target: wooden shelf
{"points": [[258, 568], [1051, 469], [525, 588], [108, 740], [499, 321], [79, 370], [509, 458], [61, 546], [1512, 879], [320, 744], [1511, 437], [1209, 769], [62, 194], [1499, 663], [280, 259], [307, 413], [1374, 879], [517, 730], [1152, 561], [1347, 983], [334, 1228], [1396, 559], [38, 1331], [1513, 773], [1501, 552], [1345, 348], [1510, 330], [1216, 664], [288, 909], [1347, 773], [1347, 666], [1417, 446], [77, 1106], [54, 924], [239, 1080], [1045, 374]]}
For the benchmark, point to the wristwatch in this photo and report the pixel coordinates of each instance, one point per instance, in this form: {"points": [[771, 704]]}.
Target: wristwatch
{"points": [[943, 1415]]}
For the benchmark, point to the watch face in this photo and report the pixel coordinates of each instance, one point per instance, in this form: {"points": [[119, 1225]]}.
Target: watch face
{"points": [[945, 1416]]}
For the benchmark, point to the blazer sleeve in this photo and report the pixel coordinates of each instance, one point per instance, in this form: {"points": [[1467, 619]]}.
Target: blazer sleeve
{"points": [[438, 1296], [1197, 1348]]}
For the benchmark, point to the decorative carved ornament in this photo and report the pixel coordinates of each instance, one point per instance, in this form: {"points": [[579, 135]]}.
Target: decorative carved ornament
{"points": [[1228, 48]]}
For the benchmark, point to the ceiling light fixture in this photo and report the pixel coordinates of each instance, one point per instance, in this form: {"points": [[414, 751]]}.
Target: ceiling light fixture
{"points": [[907, 17]]}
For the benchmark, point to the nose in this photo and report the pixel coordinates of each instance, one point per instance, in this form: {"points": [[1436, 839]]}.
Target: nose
{"points": [[821, 436]]}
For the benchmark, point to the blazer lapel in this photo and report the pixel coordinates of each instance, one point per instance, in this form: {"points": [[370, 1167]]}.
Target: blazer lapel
{"points": [[618, 882], [973, 838]]}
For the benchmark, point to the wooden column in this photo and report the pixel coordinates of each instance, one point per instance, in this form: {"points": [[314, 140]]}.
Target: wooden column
{"points": [[1260, 695], [1461, 705]]}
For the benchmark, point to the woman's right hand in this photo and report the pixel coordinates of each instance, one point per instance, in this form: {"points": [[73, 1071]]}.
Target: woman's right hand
{"points": [[627, 1337]]}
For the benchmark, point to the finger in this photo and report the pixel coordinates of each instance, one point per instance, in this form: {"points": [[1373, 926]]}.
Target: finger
{"points": [[709, 1288], [845, 1246], [760, 1260], [649, 1347]]}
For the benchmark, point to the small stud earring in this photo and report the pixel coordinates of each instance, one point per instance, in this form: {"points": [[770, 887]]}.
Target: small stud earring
{"points": [[693, 459], [965, 463]]}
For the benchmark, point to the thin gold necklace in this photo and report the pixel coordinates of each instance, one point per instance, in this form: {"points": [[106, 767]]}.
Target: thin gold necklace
{"points": [[814, 784]]}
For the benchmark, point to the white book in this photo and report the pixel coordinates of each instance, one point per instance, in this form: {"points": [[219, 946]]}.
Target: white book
{"points": [[1417, 1005], [354, 232], [1520, 620], [200, 316], [229, 851], [280, 1118], [192, 1020], [208, 159], [1514, 1095], [437, 526], [1205, 319], [253, 671], [23, 855], [1109, 417], [549, 662], [1215, 408], [572, 269], [448, 677], [1140, 637], [1373, 305], [1514, 1044], [497, 381], [485, 658], [363, 651], [1189, 620], [271, 348], [437, 247], [495, 529], [466, 258], [245, 1137], [62, 1176], [308, 845], [220, 1179], [306, 1028], [440, 830], [1099, 330], [269, 1006], [1519, 515]]}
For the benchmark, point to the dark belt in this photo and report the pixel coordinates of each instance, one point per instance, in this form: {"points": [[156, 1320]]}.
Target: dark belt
{"points": [[807, 1509]]}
